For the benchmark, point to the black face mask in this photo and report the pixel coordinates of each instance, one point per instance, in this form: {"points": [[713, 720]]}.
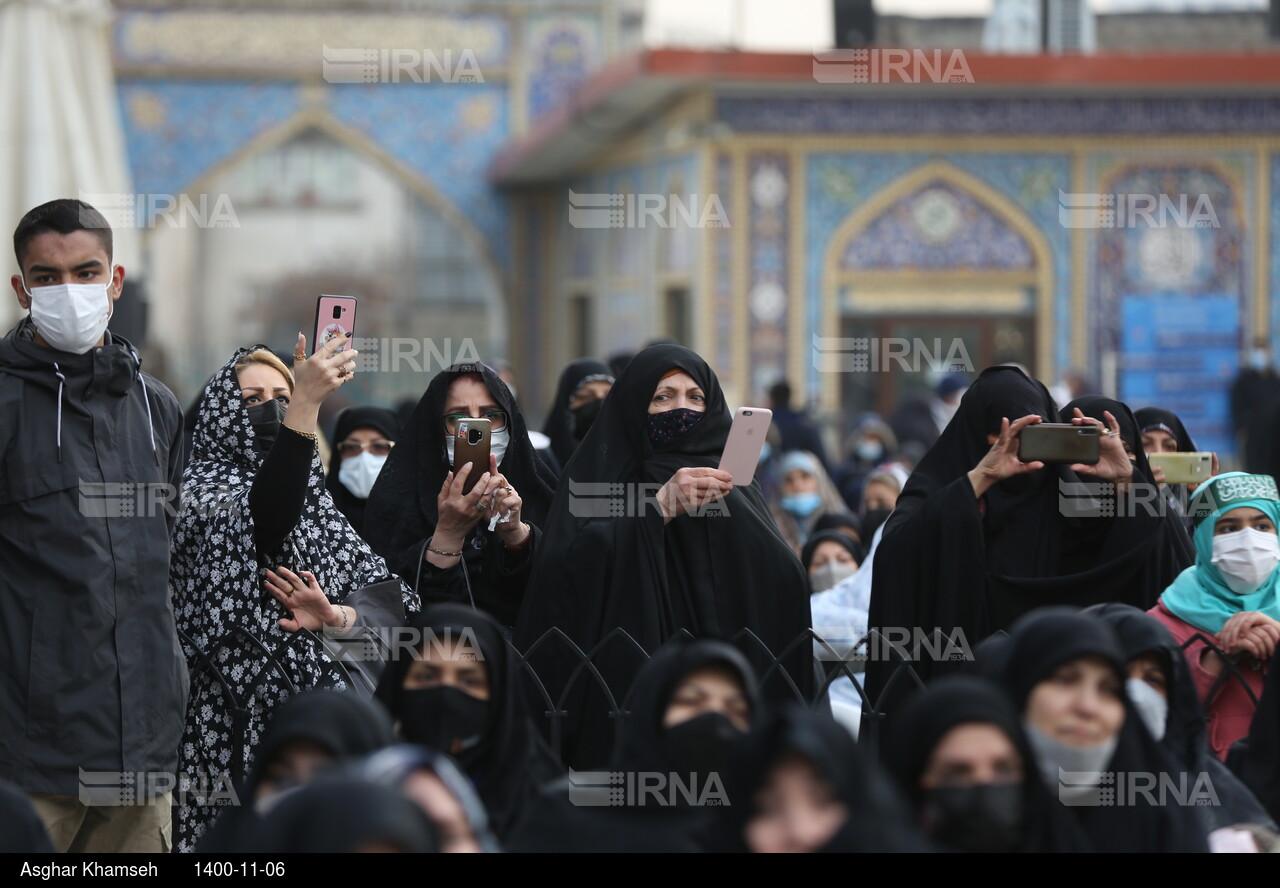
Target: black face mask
{"points": [[702, 744], [445, 719], [667, 426], [584, 415], [265, 419], [983, 818], [871, 521]]}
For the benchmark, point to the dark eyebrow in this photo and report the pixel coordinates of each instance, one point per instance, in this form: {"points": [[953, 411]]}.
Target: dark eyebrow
{"points": [[92, 263]]}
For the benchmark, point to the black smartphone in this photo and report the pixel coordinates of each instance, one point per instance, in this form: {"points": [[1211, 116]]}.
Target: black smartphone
{"points": [[1059, 442]]}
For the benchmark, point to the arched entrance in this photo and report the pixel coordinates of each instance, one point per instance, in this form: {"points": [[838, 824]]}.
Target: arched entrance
{"points": [[937, 271], [315, 209]]}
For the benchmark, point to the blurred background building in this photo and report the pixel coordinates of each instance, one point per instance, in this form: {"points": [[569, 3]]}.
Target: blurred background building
{"points": [[756, 190]]}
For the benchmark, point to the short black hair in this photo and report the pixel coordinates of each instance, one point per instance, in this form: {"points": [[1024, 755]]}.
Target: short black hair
{"points": [[64, 216], [780, 393]]}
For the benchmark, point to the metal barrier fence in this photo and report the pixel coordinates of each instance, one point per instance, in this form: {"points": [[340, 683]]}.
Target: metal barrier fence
{"points": [[552, 707]]}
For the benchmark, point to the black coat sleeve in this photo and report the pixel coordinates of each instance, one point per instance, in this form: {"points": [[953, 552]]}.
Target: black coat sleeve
{"points": [[279, 489], [496, 584]]}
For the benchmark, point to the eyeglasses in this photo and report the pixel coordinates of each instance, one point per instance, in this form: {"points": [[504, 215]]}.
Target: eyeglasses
{"points": [[497, 420], [377, 448]]}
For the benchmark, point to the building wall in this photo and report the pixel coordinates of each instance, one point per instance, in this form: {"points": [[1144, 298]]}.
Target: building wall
{"points": [[202, 89], [825, 200], [1119, 32], [623, 238]]}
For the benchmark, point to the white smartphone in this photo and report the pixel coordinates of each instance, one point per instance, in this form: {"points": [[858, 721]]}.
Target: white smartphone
{"points": [[746, 440]]}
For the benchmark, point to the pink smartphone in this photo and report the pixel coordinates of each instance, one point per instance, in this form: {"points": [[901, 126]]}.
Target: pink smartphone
{"points": [[335, 315], [746, 440]]}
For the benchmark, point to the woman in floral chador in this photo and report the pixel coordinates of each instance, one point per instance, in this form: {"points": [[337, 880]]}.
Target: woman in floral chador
{"points": [[260, 549]]}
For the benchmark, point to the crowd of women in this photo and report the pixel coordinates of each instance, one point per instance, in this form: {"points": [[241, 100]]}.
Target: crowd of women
{"points": [[1115, 692]]}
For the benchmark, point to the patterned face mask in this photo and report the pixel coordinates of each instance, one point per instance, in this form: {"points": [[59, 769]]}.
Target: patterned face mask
{"points": [[664, 427]]}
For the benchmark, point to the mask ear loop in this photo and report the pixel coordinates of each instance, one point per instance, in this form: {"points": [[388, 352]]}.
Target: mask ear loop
{"points": [[111, 303]]}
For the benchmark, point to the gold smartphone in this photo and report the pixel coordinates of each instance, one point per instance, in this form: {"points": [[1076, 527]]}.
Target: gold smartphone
{"points": [[1183, 468], [471, 445]]}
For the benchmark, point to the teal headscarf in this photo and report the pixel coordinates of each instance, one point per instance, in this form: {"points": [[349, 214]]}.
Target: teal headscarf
{"points": [[1199, 595]]}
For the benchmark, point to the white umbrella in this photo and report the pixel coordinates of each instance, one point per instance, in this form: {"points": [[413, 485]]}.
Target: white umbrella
{"points": [[60, 128]]}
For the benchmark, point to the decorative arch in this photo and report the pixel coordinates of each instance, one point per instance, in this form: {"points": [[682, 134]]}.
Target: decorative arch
{"points": [[317, 118], [1002, 207]]}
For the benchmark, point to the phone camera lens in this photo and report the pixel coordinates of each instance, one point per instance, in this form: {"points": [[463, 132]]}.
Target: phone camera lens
{"points": [[337, 312], [746, 412], [474, 436]]}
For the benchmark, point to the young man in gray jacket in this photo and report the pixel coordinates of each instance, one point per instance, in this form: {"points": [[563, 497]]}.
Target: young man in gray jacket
{"points": [[93, 682]]}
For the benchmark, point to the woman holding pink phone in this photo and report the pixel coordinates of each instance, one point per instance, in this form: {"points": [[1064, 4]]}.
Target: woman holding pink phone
{"points": [[647, 535], [259, 548]]}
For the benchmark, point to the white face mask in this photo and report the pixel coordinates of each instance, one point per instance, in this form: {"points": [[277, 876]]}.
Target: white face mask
{"points": [[1246, 558], [71, 317], [498, 442], [358, 473], [1152, 707], [830, 574], [1074, 770]]}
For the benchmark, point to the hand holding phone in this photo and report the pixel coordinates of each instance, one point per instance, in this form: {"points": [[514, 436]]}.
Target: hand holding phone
{"points": [[471, 439], [1113, 463], [1059, 442], [746, 441], [317, 377], [335, 317], [1001, 461]]}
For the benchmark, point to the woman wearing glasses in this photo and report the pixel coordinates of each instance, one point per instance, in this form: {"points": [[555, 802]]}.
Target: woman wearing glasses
{"points": [[472, 548], [364, 437]]}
